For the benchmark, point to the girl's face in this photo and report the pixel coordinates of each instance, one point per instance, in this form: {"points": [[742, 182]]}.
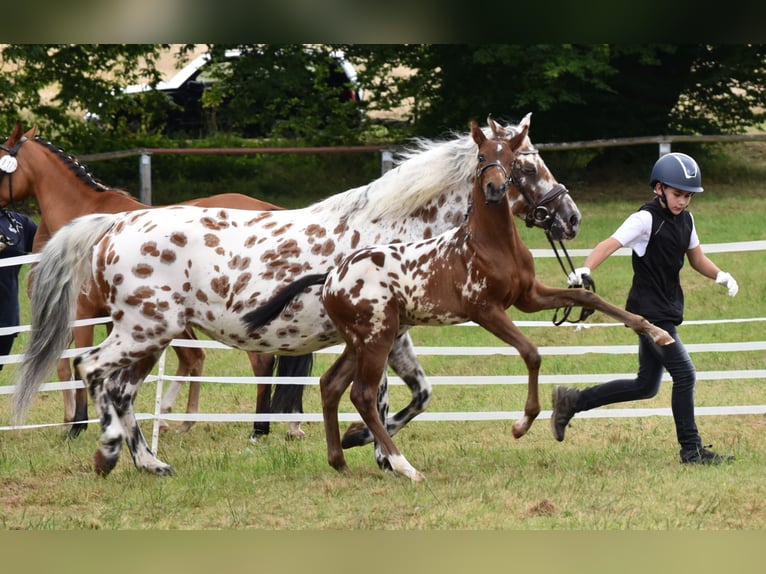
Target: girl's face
{"points": [[676, 199]]}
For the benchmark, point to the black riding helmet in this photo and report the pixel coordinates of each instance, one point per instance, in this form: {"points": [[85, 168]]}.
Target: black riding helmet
{"points": [[677, 170]]}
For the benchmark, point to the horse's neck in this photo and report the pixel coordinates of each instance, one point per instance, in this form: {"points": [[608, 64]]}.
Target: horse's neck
{"points": [[491, 224], [63, 196]]}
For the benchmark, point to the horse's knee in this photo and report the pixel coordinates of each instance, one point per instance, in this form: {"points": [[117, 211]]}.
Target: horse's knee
{"points": [[532, 359]]}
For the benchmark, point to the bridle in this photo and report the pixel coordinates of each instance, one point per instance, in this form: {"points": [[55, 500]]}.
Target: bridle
{"points": [[541, 215], [8, 164]]}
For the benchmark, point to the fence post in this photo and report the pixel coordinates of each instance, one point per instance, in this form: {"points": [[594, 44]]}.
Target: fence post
{"points": [[386, 161], [145, 176], [158, 403], [664, 148]]}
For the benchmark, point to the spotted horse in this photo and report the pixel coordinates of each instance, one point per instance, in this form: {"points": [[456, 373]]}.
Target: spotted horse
{"points": [[474, 272], [165, 269], [64, 189]]}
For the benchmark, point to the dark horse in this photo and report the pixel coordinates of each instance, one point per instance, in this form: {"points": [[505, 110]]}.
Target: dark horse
{"points": [[472, 273]]}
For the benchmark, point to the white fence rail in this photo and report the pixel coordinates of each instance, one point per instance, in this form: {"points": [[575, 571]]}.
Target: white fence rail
{"points": [[161, 377]]}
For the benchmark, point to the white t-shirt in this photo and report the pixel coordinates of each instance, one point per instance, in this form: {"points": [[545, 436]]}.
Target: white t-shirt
{"points": [[636, 229]]}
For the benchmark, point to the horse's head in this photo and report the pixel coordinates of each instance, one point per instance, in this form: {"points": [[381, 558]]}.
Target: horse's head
{"points": [[547, 203], [493, 153], [13, 188]]}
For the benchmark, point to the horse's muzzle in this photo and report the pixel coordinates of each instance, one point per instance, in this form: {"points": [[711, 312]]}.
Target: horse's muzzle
{"points": [[564, 228]]}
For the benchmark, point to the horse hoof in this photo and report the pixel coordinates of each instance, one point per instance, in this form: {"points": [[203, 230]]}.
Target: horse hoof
{"points": [[163, 470], [102, 464], [339, 464], [185, 427], [357, 434], [76, 429], [519, 429], [418, 477], [295, 435]]}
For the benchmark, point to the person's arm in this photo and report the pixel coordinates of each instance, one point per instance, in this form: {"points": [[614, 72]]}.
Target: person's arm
{"points": [[601, 252], [596, 257], [702, 264]]}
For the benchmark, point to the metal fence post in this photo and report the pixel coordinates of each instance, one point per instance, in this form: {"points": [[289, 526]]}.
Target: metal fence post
{"points": [[386, 161], [145, 175]]}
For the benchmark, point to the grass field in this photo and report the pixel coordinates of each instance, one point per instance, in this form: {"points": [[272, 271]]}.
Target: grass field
{"points": [[609, 474]]}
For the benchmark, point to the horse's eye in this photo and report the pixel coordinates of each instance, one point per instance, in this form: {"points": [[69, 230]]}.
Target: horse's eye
{"points": [[529, 170], [481, 157]]}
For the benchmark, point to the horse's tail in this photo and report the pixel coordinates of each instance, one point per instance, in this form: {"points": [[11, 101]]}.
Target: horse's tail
{"points": [[274, 306], [64, 266], [289, 398]]}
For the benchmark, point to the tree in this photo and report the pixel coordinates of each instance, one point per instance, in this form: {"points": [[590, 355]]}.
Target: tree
{"points": [[289, 91], [576, 92], [46, 83]]}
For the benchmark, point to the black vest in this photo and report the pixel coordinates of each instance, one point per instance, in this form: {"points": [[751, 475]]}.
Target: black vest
{"points": [[656, 291]]}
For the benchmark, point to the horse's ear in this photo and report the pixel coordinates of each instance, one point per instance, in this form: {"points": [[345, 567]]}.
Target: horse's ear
{"points": [[476, 133], [31, 133], [17, 134], [525, 121], [497, 130], [516, 141]]}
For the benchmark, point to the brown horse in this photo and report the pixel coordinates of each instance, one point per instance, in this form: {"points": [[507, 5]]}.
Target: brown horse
{"points": [[64, 190], [472, 273]]}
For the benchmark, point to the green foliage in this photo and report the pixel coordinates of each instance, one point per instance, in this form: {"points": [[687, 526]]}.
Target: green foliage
{"points": [[577, 92], [79, 77], [284, 91]]}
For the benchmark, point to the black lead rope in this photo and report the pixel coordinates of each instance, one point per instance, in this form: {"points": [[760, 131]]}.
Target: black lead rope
{"points": [[587, 283]]}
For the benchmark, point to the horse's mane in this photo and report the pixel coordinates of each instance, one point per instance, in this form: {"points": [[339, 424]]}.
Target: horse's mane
{"points": [[78, 169], [425, 168]]}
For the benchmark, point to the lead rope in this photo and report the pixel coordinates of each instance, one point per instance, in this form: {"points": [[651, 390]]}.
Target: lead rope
{"points": [[587, 283]]}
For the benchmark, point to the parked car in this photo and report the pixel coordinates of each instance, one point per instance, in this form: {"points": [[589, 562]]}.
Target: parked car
{"points": [[178, 106]]}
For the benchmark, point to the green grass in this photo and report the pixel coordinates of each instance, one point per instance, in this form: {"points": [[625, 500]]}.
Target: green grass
{"points": [[609, 474]]}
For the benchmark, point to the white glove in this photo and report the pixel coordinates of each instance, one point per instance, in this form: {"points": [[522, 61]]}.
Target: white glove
{"points": [[727, 281], [575, 277]]}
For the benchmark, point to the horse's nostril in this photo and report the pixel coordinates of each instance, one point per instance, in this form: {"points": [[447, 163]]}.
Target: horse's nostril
{"points": [[574, 221]]}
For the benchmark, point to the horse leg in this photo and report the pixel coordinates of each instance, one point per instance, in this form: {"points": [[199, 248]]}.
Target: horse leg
{"points": [[190, 363], [371, 358], [332, 384], [64, 371], [288, 398], [112, 387], [122, 389], [112, 433], [403, 361], [496, 321], [83, 337], [262, 366], [541, 297]]}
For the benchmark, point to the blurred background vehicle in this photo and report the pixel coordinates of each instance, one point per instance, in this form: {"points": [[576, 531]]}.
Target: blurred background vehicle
{"points": [[262, 91]]}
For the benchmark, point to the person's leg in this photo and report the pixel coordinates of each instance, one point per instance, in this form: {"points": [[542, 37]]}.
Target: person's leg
{"points": [[678, 363], [6, 343], [567, 401], [682, 371]]}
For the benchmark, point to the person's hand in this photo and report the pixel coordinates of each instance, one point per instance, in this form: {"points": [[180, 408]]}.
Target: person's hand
{"points": [[575, 278], [727, 281]]}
